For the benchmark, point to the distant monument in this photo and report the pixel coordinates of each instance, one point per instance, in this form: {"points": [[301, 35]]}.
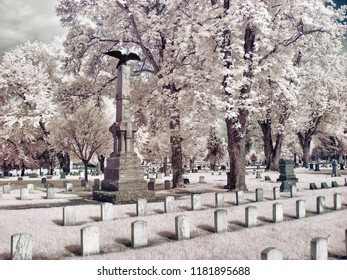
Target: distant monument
{"points": [[287, 176], [123, 174]]}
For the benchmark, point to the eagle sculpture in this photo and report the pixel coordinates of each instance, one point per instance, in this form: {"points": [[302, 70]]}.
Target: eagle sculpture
{"points": [[123, 58]]}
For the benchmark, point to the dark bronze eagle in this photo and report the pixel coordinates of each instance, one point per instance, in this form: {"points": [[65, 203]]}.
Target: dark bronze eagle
{"points": [[123, 58]]}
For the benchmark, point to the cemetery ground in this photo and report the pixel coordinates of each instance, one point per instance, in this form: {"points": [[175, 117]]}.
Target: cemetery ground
{"points": [[43, 219]]}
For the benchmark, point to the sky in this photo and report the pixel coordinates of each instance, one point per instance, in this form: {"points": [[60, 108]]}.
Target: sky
{"points": [[27, 20]]}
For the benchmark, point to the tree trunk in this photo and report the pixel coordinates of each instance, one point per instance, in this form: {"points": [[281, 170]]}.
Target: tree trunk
{"points": [[101, 159], [266, 128], [237, 153], [305, 143], [165, 169], [85, 170]]}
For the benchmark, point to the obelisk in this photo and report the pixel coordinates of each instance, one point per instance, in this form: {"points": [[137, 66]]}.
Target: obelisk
{"points": [[123, 174]]}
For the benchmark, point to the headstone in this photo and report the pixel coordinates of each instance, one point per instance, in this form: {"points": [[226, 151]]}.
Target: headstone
{"points": [[319, 248], [313, 186], [69, 187], [337, 201], [300, 209], [20, 178], [69, 215], [141, 207], [97, 184], [287, 176], [43, 180], [320, 205], [259, 195], [276, 193], [219, 200], [24, 194], [267, 178], [345, 182], [202, 179], [251, 216], [169, 206], [0, 195], [167, 184], [90, 240], [88, 187], [83, 183], [182, 227], [311, 166], [30, 188], [152, 180], [334, 184], [271, 253], [324, 185], [258, 174], [62, 175], [50, 193], [21, 246], [220, 221], [240, 198], [106, 211], [186, 181], [159, 175], [150, 186], [7, 189], [317, 167], [139, 234], [196, 201], [277, 212], [346, 240], [293, 191]]}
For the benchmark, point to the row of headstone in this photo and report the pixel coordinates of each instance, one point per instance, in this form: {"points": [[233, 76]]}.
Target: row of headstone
{"points": [[318, 250], [324, 185]]}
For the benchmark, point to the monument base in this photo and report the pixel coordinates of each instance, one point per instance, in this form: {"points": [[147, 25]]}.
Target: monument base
{"points": [[118, 197], [285, 186]]}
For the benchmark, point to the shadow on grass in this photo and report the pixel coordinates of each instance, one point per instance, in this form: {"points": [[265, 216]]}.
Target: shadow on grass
{"points": [[207, 228], [61, 223], [264, 219], [158, 211], [336, 256], [289, 216], [185, 208], [124, 241], [95, 218], [168, 234], [74, 249], [236, 225], [5, 256], [131, 214], [211, 206]]}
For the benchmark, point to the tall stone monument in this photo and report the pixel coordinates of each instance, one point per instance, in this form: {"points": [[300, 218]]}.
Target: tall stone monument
{"points": [[123, 174]]}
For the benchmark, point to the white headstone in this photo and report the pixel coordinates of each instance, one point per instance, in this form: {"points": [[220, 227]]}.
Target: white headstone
{"points": [[169, 204], [139, 234], [300, 209], [30, 188], [7, 189], [182, 227], [319, 248], [276, 193], [90, 240], [196, 201], [337, 201], [220, 221], [219, 200], [320, 205], [259, 195], [251, 216], [293, 191], [21, 246], [277, 212], [201, 179], [141, 207], [0, 195], [240, 198], [69, 215], [106, 211], [271, 253], [24, 194], [50, 193], [69, 187], [88, 186]]}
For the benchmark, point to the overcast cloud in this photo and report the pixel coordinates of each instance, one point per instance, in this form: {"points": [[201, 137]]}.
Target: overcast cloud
{"points": [[27, 20]]}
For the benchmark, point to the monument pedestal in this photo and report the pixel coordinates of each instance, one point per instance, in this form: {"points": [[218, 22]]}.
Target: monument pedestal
{"points": [[287, 176]]}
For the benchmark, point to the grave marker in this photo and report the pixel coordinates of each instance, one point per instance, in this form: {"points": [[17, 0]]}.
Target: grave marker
{"points": [[334, 184], [219, 200], [50, 193], [69, 215], [182, 227], [139, 234], [21, 246], [271, 253], [196, 201], [251, 216], [69, 187], [97, 184], [293, 191], [220, 221], [169, 204], [267, 178], [300, 209], [141, 207], [167, 184], [259, 195], [24, 194], [90, 240], [319, 248], [7, 189], [324, 185], [202, 179], [337, 201], [277, 212], [313, 186], [240, 198], [258, 174], [276, 193], [320, 205], [30, 188], [106, 211]]}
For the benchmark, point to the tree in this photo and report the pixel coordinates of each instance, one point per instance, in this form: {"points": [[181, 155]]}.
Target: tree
{"points": [[83, 133], [215, 147]]}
